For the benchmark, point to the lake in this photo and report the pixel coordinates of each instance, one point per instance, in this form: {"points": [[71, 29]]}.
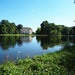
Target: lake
{"points": [[13, 48]]}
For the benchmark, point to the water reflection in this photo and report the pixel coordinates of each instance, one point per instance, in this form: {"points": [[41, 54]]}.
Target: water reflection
{"points": [[50, 41], [7, 42], [20, 47], [46, 42], [26, 39]]}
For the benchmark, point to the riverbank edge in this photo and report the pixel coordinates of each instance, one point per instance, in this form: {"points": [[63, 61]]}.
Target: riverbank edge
{"points": [[58, 63], [21, 35], [31, 35]]}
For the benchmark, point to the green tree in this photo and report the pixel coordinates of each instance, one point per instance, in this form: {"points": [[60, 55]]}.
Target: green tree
{"points": [[58, 28], [65, 31], [73, 30], [8, 28], [4, 26], [19, 26], [38, 31], [50, 28], [6, 22], [4, 29], [44, 26], [13, 28]]}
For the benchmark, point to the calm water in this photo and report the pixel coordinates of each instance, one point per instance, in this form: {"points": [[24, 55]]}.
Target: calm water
{"points": [[13, 48]]}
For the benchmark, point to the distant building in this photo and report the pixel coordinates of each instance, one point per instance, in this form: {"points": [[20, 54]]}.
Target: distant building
{"points": [[26, 30]]}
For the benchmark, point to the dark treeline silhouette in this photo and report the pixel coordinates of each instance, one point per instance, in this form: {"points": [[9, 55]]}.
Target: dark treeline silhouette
{"points": [[52, 29]]}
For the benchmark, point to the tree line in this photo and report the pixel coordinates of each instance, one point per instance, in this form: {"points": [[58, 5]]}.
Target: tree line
{"points": [[7, 27], [47, 28]]}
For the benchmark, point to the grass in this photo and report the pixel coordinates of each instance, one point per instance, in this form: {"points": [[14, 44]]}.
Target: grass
{"points": [[14, 35], [21, 35], [34, 34], [58, 63]]}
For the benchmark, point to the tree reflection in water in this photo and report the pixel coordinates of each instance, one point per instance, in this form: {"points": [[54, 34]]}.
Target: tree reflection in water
{"points": [[50, 41], [46, 42], [7, 42]]}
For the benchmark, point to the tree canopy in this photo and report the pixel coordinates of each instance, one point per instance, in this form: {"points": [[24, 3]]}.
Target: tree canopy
{"points": [[47, 28], [8, 28], [19, 26]]}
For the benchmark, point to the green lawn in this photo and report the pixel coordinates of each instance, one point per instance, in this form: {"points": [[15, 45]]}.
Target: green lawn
{"points": [[15, 35], [58, 63]]}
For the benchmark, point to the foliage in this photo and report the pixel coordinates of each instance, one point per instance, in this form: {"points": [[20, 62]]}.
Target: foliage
{"points": [[8, 28], [52, 29], [19, 26], [38, 31], [57, 63], [73, 30]]}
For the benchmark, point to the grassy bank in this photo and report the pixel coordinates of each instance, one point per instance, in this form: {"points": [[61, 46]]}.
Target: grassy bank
{"points": [[30, 35], [15, 35], [58, 63], [21, 35]]}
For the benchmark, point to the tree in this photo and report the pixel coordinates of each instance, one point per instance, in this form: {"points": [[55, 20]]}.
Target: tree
{"points": [[6, 22], [4, 29], [44, 26], [8, 28], [13, 28], [65, 31], [73, 30], [50, 28], [4, 26], [19, 26], [38, 31], [58, 28]]}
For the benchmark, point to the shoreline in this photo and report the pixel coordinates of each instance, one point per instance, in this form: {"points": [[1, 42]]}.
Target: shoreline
{"points": [[52, 63]]}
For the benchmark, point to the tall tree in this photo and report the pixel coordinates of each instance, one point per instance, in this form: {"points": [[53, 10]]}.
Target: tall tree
{"points": [[44, 26], [19, 26]]}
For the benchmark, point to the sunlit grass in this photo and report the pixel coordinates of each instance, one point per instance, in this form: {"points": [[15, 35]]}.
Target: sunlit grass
{"points": [[16, 35]]}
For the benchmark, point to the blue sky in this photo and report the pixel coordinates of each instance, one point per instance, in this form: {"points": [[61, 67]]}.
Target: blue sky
{"points": [[31, 13]]}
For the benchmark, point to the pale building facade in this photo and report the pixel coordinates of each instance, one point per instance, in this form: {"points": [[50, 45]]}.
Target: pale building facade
{"points": [[26, 30]]}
